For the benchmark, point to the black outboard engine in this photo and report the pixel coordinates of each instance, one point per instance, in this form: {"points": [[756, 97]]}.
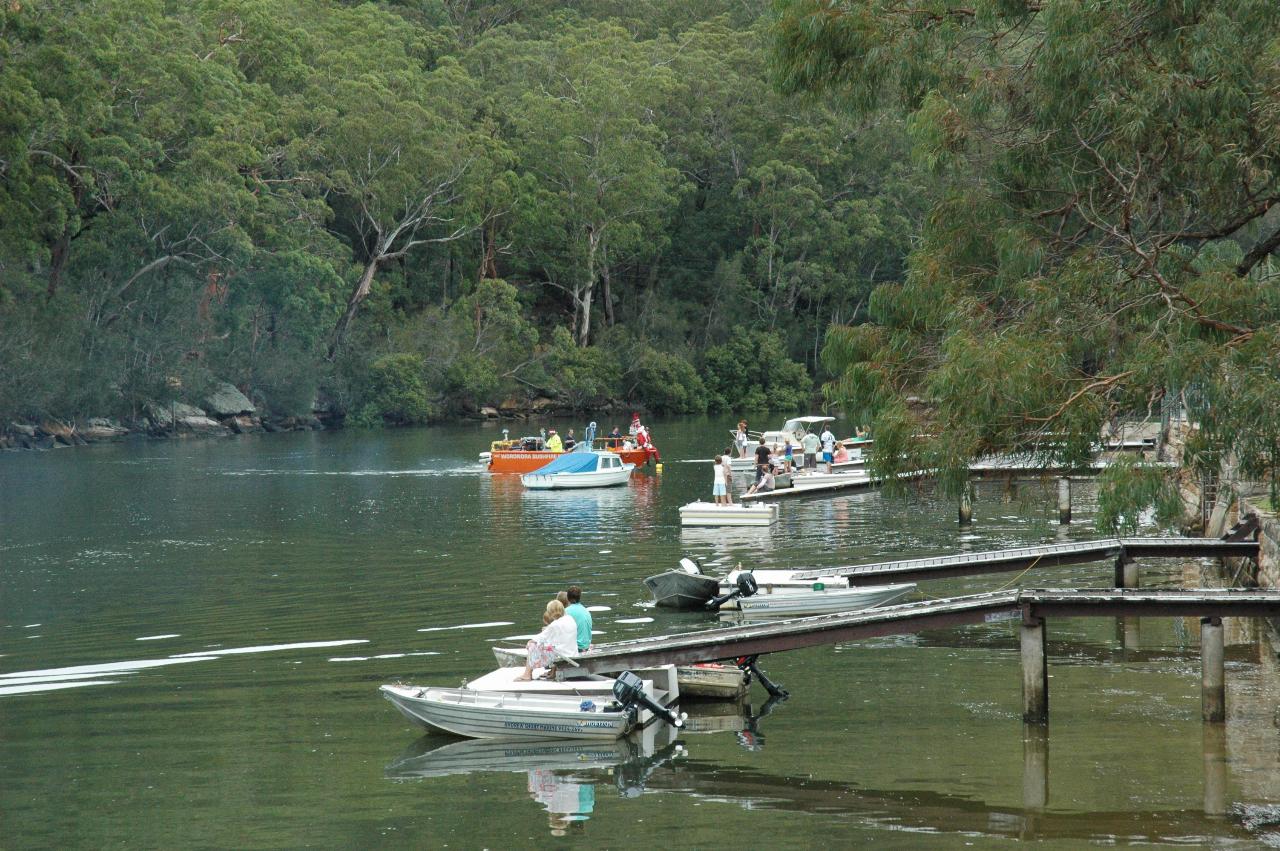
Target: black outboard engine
{"points": [[746, 587], [628, 690]]}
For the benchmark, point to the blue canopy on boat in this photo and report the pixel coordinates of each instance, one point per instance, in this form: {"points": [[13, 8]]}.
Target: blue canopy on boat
{"points": [[570, 462]]}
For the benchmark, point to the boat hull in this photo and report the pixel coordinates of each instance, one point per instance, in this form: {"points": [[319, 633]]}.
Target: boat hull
{"points": [[801, 602], [710, 514], [675, 589], [521, 461], [481, 715], [566, 481]]}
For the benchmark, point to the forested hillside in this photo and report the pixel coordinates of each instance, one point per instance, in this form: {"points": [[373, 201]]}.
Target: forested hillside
{"points": [[413, 209]]}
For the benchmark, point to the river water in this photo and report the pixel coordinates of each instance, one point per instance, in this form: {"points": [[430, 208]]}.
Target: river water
{"points": [[192, 634]]}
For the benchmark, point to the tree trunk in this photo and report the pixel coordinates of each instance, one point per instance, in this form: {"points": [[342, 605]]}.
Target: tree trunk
{"points": [[589, 287], [605, 292], [358, 295]]}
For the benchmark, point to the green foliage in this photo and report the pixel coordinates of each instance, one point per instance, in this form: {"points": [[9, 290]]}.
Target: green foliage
{"points": [[585, 377], [752, 373], [667, 384], [397, 392], [1126, 489], [1100, 245]]}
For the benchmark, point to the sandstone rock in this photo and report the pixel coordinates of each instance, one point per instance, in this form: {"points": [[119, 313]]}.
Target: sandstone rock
{"points": [[227, 401], [542, 403], [243, 425], [162, 413], [55, 429], [509, 404], [490, 412], [23, 429], [201, 425], [99, 428]]}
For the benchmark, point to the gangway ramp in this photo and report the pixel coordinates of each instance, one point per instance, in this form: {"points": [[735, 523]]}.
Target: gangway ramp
{"points": [[1118, 550], [714, 645]]}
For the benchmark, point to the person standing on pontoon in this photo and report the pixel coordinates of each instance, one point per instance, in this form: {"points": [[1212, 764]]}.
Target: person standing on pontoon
{"points": [[719, 488], [811, 446], [828, 446], [726, 464], [740, 439], [764, 460]]}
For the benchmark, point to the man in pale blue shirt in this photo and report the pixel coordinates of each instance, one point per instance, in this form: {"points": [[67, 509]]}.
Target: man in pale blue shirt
{"points": [[580, 615]]}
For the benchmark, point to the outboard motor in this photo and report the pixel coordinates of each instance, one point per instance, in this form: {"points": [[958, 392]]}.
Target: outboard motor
{"points": [[628, 690], [746, 587]]}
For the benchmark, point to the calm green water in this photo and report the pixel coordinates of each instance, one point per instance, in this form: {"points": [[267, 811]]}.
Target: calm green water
{"points": [[237, 602]]}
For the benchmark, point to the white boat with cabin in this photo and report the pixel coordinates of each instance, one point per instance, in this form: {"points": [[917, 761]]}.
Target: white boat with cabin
{"points": [[586, 469]]}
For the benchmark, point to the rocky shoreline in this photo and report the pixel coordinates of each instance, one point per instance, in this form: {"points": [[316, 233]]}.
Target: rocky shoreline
{"points": [[226, 411]]}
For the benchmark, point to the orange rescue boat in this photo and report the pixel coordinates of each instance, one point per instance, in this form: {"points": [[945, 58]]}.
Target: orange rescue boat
{"points": [[530, 453]]}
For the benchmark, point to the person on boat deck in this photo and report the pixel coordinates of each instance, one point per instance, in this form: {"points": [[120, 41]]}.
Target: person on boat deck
{"points": [[811, 446], [580, 616], [726, 464], [642, 436], [740, 439], [553, 441], [786, 456], [558, 640], [842, 454], [719, 490], [635, 424], [828, 446], [764, 485], [616, 433], [569, 441], [763, 453]]}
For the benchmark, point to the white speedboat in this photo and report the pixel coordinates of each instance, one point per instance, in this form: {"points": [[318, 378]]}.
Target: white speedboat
{"points": [[713, 514], [587, 469]]}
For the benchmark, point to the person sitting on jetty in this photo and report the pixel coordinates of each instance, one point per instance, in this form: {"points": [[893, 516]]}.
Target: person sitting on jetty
{"points": [[581, 616], [764, 485], [553, 441], [558, 640]]}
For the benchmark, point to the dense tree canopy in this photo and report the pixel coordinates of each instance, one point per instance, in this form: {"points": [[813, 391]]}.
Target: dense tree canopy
{"points": [[414, 206], [1102, 247]]}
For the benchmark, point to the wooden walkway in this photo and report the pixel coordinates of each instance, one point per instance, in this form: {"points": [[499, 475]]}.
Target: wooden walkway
{"points": [[714, 645], [1117, 550]]}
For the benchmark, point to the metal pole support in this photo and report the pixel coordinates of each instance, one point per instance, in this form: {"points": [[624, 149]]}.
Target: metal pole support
{"points": [[1213, 676], [1064, 500], [1035, 672]]}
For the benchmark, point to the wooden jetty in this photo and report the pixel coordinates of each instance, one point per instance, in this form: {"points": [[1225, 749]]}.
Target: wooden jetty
{"points": [[1122, 552], [1031, 607]]}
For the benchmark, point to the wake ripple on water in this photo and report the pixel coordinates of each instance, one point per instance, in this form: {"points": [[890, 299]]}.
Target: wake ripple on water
{"points": [[425, 472]]}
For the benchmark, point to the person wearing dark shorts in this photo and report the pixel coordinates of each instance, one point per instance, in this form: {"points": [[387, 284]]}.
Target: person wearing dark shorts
{"points": [[762, 459]]}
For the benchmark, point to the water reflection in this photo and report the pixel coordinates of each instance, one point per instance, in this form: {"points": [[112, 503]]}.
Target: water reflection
{"points": [[561, 776]]}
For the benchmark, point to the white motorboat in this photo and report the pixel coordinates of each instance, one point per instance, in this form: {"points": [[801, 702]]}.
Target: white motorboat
{"points": [[488, 715], [587, 469], [713, 514], [527, 714], [818, 601], [687, 587]]}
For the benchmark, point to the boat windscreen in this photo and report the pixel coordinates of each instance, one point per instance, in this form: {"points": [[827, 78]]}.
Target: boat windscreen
{"points": [[570, 462]]}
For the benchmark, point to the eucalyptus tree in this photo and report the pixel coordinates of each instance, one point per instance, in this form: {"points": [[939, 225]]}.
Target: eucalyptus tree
{"points": [[1102, 243]]}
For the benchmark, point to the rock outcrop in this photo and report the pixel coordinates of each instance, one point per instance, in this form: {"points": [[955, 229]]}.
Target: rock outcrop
{"points": [[226, 401]]}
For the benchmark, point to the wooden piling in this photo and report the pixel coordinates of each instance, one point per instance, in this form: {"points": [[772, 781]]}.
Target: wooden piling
{"points": [[1213, 678], [1064, 500], [966, 505], [1035, 672], [1126, 573], [1215, 770], [1035, 766]]}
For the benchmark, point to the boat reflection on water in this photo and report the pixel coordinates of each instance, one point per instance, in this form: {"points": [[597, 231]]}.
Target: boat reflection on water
{"points": [[562, 775], [588, 510]]}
